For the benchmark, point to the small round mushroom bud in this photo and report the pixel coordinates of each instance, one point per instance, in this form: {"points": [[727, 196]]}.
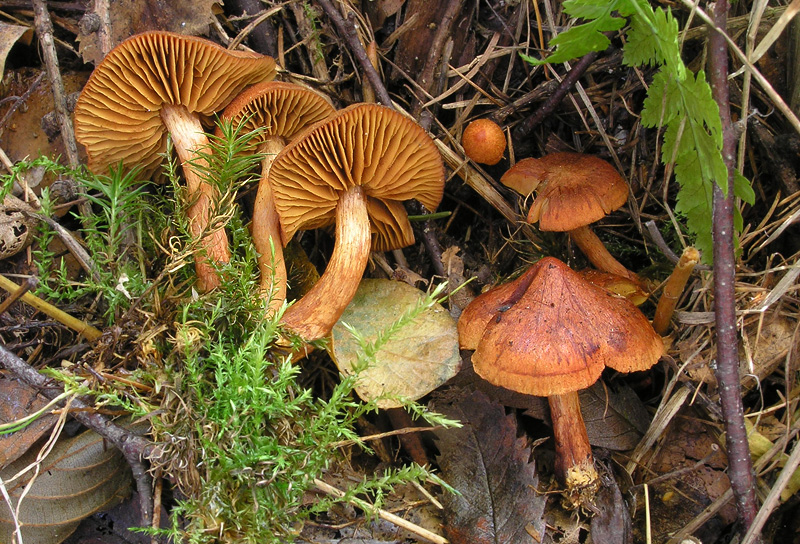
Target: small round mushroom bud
{"points": [[484, 141]]}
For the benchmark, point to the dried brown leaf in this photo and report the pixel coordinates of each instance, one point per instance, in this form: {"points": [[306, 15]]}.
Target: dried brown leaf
{"points": [[81, 475], [488, 465], [17, 400], [131, 17]]}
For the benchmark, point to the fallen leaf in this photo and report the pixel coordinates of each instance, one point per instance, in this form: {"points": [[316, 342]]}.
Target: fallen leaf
{"points": [[415, 360], [9, 36], [615, 417], [488, 465], [81, 475], [17, 400], [131, 17]]}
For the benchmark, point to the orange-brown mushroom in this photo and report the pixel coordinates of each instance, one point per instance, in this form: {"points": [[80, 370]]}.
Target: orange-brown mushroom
{"points": [[550, 333], [281, 111], [573, 190], [364, 159], [484, 141], [159, 83]]}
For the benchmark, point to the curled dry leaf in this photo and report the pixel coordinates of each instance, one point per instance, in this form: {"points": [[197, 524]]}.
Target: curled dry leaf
{"points": [[81, 475], [16, 231], [417, 358]]}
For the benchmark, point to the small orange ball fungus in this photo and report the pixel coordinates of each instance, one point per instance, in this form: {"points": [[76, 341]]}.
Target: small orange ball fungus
{"points": [[484, 141]]}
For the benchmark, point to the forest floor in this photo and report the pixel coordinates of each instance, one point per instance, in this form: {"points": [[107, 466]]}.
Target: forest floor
{"points": [[189, 366]]}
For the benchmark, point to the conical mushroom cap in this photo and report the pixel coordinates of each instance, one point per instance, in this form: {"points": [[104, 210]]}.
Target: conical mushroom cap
{"points": [[279, 109], [572, 189], [556, 335], [389, 155], [117, 116]]}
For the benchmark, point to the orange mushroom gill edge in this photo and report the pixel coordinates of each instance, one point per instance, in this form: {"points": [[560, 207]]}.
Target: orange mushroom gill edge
{"points": [[158, 83], [573, 190], [364, 158], [484, 141], [278, 111], [550, 333]]}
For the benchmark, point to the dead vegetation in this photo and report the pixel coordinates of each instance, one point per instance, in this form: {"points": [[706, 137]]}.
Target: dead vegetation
{"points": [[658, 436]]}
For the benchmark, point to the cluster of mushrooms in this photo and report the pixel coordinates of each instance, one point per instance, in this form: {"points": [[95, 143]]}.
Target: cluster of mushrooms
{"points": [[351, 168], [552, 331]]}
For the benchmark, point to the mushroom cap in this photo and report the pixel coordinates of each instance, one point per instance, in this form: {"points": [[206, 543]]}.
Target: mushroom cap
{"points": [[572, 189], [484, 141], [117, 116], [549, 332], [389, 155], [280, 109]]}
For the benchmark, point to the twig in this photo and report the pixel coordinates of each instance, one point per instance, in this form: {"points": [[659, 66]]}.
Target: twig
{"points": [[105, 37], [523, 129], [383, 514], [44, 29], [29, 283], [426, 79], [348, 31], [740, 464], [48, 309], [21, 100], [133, 447], [774, 497]]}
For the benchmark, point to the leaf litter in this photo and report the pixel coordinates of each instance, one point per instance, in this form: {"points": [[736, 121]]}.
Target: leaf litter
{"points": [[673, 411]]}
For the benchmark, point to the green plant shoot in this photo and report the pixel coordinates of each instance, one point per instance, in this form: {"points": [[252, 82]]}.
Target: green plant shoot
{"points": [[677, 99]]}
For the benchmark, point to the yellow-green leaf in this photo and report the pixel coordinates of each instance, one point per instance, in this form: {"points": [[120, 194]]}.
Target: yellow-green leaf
{"points": [[411, 361]]}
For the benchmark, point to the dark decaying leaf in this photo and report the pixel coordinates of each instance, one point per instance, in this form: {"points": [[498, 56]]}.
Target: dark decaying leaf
{"points": [[17, 400], [80, 476], [615, 418], [612, 521], [498, 501]]}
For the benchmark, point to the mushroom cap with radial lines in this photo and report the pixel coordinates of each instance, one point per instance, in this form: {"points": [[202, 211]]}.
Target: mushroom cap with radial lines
{"points": [[389, 155], [572, 189], [279, 109], [117, 116], [549, 332]]}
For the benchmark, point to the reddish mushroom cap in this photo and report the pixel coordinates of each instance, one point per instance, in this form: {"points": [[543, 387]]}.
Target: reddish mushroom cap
{"points": [[550, 332], [484, 141], [572, 189]]}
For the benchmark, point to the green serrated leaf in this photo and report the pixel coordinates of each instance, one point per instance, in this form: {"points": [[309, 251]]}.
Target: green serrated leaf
{"points": [[653, 40], [743, 189]]}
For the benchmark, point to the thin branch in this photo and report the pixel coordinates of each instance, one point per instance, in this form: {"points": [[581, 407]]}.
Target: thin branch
{"points": [[347, 29], [740, 469], [133, 447]]}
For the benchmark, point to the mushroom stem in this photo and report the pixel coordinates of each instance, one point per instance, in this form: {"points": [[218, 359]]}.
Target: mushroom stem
{"points": [[673, 289], [596, 252], [266, 229], [188, 137], [314, 315], [574, 465]]}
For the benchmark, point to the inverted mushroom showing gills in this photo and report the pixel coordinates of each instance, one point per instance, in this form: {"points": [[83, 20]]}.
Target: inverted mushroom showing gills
{"points": [[549, 333], [159, 83], [281, 111], [365, 160], [573, 190]]}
